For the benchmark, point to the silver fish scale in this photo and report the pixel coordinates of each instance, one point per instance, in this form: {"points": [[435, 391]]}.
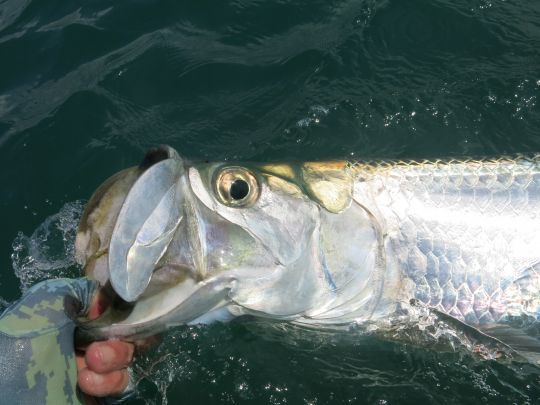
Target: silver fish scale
{"points": [[466, 233]]}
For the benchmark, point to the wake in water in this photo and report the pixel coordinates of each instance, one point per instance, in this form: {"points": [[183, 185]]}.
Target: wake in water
{"points": [[49, 251]]}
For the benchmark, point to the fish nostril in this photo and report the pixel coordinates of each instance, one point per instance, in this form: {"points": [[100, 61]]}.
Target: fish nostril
{"points": [[157, 154]]}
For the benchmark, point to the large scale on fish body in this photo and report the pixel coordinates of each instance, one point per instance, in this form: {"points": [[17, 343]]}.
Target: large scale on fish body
{"points": [[318, 243]]}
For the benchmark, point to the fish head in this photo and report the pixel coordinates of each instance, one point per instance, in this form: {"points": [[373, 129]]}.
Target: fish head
{"points": [[257, 230], [193, 242]]}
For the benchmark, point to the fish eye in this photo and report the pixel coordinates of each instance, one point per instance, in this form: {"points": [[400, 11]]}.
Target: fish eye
{"points": [[236, 187]]}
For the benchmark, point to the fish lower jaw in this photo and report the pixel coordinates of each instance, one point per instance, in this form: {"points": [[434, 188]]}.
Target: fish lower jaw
{"points": [[185, 303]]}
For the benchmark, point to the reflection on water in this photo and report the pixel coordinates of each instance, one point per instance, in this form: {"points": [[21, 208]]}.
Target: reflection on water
{"points": [[240, 74]]}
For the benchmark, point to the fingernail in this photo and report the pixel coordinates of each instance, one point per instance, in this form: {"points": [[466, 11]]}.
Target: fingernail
{"points": [[106, 355], [93, 379]]}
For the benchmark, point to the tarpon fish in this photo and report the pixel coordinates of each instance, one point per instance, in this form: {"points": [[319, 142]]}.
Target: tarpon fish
{"points": [[317, 243]]}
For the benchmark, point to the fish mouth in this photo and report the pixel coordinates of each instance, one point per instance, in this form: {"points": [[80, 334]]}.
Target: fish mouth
{"points": [[159, 310]]}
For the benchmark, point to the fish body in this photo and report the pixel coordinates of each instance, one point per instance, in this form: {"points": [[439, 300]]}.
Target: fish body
{"points": [[318, 243], [463, 234]]}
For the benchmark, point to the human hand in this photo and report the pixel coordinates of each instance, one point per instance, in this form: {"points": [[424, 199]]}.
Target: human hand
{"points": [[102, 367]]}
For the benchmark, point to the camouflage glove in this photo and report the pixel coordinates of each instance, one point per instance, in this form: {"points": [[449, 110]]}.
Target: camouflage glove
{"points": [[37, 356]]}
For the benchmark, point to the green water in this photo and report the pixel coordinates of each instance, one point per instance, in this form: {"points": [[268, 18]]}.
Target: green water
{"points": [[86, 87]]}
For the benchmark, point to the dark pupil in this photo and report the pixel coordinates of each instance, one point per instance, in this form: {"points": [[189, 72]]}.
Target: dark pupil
{"points": [[239, 189]]}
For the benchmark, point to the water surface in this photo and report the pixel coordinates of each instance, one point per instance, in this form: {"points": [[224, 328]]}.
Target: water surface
{"points": [[86, 87]]}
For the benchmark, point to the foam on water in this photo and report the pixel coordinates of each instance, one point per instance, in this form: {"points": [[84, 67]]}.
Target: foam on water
{"points": [[49, 251]]}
